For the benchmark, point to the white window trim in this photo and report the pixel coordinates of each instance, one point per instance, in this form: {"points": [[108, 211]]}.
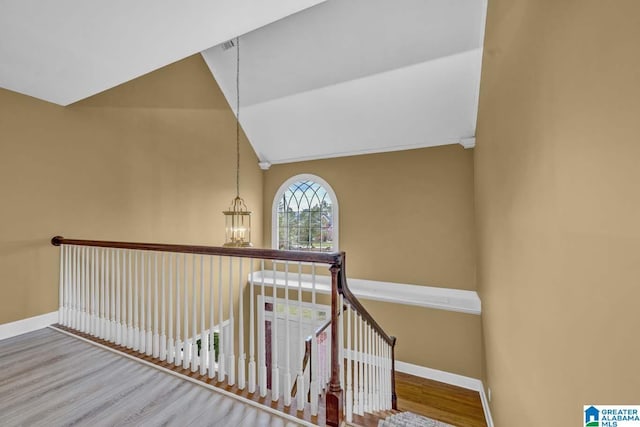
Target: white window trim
{"points": [[334, 201]]}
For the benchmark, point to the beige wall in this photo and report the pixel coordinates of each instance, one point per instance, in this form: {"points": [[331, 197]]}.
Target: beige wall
{"points": [[406, 217], [557, 167], [151, 160]]}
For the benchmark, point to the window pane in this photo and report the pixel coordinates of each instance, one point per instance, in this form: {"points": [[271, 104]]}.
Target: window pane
{"points": [[305, 217]]}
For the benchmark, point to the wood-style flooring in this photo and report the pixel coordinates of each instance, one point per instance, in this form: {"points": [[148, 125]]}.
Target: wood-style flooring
{"points": [[443, 402], [50, 379]]}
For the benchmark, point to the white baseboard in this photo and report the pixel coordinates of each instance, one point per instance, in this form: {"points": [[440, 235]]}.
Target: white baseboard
{"points": [[448, 378], [19, 327], [485, 406]]}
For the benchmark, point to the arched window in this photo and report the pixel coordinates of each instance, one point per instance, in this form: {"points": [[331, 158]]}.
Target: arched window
{"points": [[305, 215]]}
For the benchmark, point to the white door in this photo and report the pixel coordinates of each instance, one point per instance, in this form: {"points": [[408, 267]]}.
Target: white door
{"points": [[296, 340]]}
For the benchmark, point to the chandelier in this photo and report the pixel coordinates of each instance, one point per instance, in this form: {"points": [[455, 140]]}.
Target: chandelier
{"points": [[237, 218]]}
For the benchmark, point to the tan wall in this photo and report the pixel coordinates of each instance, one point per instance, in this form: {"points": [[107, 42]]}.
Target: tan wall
{"points": [[151, 160], [557, 167], [406, 217]]}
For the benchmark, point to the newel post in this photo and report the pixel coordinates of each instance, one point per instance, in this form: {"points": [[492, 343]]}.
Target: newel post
{"points": [[334, 405]]}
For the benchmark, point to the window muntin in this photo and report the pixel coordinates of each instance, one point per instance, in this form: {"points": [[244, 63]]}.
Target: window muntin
{"points": [[305, 213]]}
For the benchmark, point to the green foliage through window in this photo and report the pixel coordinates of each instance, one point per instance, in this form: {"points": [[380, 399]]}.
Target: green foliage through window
{"points": [[305, 218]]}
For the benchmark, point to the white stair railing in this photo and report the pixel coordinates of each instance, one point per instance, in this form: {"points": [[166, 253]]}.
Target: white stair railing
{"points": [[186, 305]]}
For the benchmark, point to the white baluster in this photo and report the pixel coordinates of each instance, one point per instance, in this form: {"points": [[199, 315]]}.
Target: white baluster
{"points": [[204, 341], [103, 294], [106, 321], [327, 358], [156, 323], [65, 310], [365, 362], [367, 377], [384, 376], [80, 283], [87, 291], [130, 319], [380, 389], [370, 367], [262, 356], [143, 306], [171, 350], [79, 286], [275, 371], [83, 289], [90, 291], [186, 346], [211, 340], [252, 361], [150, 326], [361, 389], [241, 354], [163, 312], [349, 354], [301, 392], [123, 283], [118, 283], [61, 287], [179, 344], [136, 302], [231, 358], [356, 363], [372, 378], [88, 285], [112, 299], [194, 307], [315, 357], [68, 286], [71, 287], [94, 291], [79, 298], [341, 339], [376, 378], [287, 339], [221, 335], [389, 376]]}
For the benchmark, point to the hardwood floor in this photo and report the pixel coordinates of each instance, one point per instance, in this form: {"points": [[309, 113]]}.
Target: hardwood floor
{"points": [[454, 405], [50, 379]]}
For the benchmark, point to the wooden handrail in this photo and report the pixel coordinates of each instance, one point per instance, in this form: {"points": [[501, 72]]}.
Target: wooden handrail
{"points": [[344, 290], [333, 258], [307, 350]]}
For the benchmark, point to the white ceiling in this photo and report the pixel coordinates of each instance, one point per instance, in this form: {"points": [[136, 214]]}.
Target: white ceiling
{"points": [[319, 78], [66, 50], [358, 76]]}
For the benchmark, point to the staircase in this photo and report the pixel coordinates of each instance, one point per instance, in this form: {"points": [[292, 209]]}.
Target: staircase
{"points": [[163, 303]]}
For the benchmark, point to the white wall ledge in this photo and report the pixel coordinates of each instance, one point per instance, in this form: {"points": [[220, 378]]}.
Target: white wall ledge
{"points": [[398, 293]]}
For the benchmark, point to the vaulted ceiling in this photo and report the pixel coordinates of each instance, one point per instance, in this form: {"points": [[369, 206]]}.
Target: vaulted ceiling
{"points": [[318, 78]]}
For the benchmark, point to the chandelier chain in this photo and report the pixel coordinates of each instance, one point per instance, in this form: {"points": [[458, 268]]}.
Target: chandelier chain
{"points": [[237, 116]]}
